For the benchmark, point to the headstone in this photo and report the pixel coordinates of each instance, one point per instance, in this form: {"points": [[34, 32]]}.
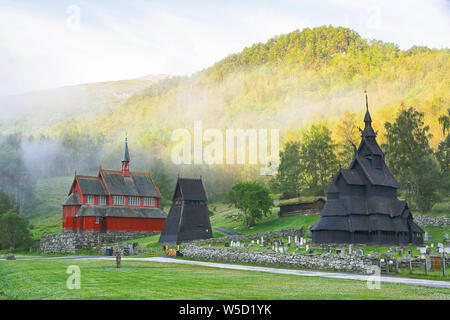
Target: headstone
{"points": [[440, 245], [446, 236], [289, 239], [440, 250], [426, 236], [257, 241], [350, 247], [421, 250], [281, 250], [307, 248], [447, 250]]}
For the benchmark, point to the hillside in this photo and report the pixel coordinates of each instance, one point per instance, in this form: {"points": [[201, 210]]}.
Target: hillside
{"points": [[288, 83], [41, 109]]}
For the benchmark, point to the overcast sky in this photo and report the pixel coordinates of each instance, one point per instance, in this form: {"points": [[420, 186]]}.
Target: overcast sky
{"points": [[48, 44]]}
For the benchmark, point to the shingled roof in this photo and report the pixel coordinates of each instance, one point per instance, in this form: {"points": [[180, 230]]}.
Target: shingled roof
{"points": [[72, 200], [190, 189], [363, 199], [92, 185], [188, 219], [118, 211], [137, 184]]}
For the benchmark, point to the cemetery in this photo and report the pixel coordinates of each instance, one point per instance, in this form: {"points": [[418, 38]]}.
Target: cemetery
{"points": [[299, 251]]}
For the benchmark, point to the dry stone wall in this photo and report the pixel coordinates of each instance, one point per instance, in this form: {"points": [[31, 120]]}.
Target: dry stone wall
{"points": [[350, 263], [71, 242], [438, 221]]}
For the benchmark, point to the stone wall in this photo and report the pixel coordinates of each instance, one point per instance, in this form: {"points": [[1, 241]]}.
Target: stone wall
{"points": [[439, 221], [254, 236], [71, 242], [350, 263]]}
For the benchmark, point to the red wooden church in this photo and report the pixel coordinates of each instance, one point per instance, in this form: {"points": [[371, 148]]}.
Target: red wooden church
{"points": [[113, 201]]}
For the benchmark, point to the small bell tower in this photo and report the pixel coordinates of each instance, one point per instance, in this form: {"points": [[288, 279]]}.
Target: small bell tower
{"points": [[126, 160]]}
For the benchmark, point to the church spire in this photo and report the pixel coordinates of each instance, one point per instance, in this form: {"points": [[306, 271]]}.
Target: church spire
{"points": [[126, 160], [368, 130]]}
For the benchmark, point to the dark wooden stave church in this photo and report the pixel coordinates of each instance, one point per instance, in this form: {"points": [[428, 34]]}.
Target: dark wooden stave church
{"points": [[362, 205], [188, 218]]}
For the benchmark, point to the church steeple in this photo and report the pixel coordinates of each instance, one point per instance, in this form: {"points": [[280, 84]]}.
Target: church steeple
{"points": [[368, 130], [126, 160]]}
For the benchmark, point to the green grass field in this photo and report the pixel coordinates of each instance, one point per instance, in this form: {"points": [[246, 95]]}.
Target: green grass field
{"points": [[40, 279]]}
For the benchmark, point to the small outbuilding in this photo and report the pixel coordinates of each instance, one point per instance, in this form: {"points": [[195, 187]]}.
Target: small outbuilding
{"points": [[188, 218]]}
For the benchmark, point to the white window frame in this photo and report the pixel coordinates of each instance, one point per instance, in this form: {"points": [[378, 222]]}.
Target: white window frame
{"points": [[90, 199], [134, 201], [149, 202], [97, 220], [102, 200], [119, 200]]}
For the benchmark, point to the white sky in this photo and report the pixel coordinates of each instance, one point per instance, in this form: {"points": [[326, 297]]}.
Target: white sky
{"points": [[44, 45]]}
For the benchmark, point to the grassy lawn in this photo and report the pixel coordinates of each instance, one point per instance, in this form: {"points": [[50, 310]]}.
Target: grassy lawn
{"points": [[151, 280]]}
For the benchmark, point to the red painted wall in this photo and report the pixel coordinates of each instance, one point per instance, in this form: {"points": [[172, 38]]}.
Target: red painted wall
{"points": [[90, 225], [134, 224], [68, 214]]}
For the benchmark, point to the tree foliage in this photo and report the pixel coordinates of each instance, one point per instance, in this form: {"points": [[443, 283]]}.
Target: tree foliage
{"points": [[13, 230], [411, 158], [252, 200], [287, 180], [318, 158]]}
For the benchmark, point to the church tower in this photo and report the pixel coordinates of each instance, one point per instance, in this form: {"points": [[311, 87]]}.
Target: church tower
{"points": [[126, 160]]}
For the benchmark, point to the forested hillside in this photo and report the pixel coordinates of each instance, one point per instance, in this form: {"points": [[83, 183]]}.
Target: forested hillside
{"points": [[289, 83]]}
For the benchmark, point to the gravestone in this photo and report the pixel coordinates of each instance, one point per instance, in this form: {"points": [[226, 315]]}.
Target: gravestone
{"points": [[446, 236], [425, 237]]}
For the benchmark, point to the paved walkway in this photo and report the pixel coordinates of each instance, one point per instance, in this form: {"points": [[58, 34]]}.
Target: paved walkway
{"points": [[305, 273], [228, 232]]}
